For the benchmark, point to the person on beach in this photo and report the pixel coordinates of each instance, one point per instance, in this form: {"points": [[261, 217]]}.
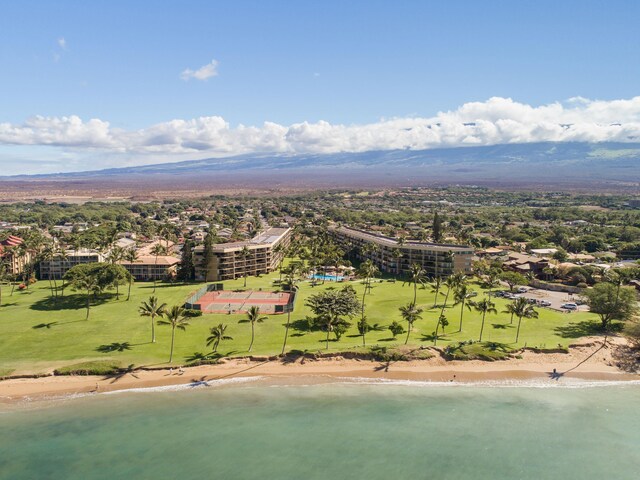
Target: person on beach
{"points": [[97, 386]]}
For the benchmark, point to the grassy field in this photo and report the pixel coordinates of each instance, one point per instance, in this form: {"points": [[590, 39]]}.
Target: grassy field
{"points": [[37, 335]]}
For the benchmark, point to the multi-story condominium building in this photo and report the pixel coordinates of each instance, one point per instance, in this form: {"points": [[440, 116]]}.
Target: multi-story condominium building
{"points": [[148, 268], [12, 256], [395, 257], [232, 260], [58, 266]]}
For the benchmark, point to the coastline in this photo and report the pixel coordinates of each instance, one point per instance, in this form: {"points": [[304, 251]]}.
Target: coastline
{"points": [[587, 361]]}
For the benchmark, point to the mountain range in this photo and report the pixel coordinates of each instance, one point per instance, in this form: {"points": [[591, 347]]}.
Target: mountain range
{"points": [[530, 164]]}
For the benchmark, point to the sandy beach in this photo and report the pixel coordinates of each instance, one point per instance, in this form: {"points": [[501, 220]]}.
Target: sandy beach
{"points": [[588, 360]]}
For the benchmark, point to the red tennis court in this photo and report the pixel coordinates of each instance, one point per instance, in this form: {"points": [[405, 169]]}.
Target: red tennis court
{"points": [[227, 301]]}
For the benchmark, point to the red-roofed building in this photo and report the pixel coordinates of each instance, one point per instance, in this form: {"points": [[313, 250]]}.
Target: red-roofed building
{"points": [[148, 268], [12, 256]]}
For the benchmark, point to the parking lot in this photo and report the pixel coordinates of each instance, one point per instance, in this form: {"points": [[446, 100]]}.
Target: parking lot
{"points": [[556, 299]]}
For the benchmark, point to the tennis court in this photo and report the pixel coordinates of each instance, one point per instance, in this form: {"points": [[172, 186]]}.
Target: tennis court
{"points": [[227, 301]]}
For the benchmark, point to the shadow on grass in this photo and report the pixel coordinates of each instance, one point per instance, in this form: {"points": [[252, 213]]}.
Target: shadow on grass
{"points": [[502, 326], [53, 324], [390, 339], [586, 329], [69, 302], [44, 325], [163, 285], [431, 337], [302, 325], [114, 347], [200, 358]]}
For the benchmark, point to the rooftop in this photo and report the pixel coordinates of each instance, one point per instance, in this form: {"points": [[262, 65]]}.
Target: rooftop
{"points": [[266, 238], [392, 242]]}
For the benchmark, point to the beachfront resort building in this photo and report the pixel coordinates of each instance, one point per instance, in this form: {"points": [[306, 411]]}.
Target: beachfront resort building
{"points": [[256, 256], [148, 268], [13, 256], [59, 265], [395, 257]]}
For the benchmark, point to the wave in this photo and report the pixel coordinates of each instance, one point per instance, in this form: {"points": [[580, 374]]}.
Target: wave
{"points": [[571, 383]]}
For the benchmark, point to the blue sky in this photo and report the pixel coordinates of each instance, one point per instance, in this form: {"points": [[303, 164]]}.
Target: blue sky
{"points": [[289, 62]]}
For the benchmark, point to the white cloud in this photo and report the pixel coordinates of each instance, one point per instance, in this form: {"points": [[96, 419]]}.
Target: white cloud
{"points": [[62, 43], [495, 121], [203, 73]]}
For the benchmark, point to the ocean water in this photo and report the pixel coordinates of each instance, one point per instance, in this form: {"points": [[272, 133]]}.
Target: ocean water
{"points": [[332, 430]]}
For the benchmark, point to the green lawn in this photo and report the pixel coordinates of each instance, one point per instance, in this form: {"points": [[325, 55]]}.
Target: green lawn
{"points": [[36, 335]]}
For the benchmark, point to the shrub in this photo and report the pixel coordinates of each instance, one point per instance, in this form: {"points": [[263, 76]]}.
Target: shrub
{"points": [[632, 332], [90, 368]]}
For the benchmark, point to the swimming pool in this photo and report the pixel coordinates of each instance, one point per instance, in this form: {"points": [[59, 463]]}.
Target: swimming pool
{"points": [[329, 278]]}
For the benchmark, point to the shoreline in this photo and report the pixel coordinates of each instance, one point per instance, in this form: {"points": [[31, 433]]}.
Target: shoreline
{"points": [[589, 361]]}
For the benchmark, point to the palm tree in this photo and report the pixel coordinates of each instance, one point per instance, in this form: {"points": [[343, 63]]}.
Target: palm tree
{"points": [[245, 253], [253, 317], [3, 277], [410, 314], [47, 255], [492, 280], [397, 254], [290, 282], [130, 256], [279, 251], [523, 309], [435, 285], [451, 283], [442, 320], [511, 309], [216, 336], [157, 250], [166, 232], [417, 275], [367, 270], [462, 294], [484, 306], [175, 317], [152, 308], [61, 255], [116, 254]]}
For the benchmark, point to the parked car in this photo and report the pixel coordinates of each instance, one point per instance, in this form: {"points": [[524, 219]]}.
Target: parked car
{"points": [[569, 306], [523, 289], [544, 303]]}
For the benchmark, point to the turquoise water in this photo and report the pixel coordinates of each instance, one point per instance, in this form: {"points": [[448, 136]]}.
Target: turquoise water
{"points": [[356, 431], [330, 278]]}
